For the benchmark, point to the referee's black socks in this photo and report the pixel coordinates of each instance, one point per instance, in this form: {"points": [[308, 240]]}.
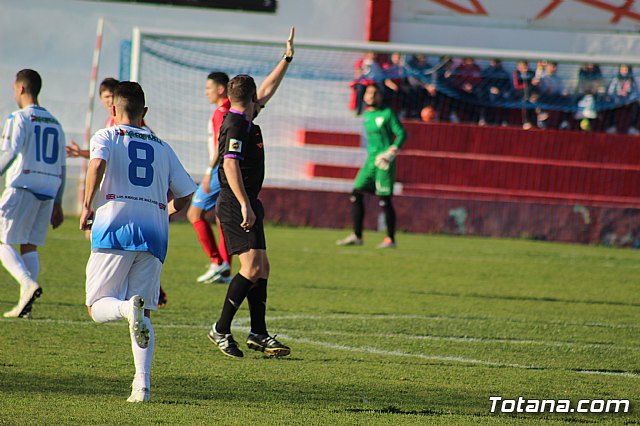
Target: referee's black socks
{"points": [[257, 298], [236, 293]]}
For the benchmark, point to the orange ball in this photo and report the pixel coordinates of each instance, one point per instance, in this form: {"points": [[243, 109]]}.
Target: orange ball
{"points": [[428, 114]]}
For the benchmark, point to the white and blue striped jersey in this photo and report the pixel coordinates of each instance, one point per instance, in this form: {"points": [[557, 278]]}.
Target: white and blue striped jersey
{"points": [[34, 140], [131, 206]]}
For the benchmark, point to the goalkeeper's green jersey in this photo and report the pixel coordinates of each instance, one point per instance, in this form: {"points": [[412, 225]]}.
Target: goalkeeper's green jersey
{"points": [[383, 130]]}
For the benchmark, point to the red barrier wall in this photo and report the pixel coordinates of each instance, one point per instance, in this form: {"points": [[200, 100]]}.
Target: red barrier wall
{"points": [[539, 221], [510, 164], [516, 142]]}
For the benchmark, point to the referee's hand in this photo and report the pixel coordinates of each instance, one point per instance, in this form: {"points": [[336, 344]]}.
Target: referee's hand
{"points": [[289, 50], [248, 217]]}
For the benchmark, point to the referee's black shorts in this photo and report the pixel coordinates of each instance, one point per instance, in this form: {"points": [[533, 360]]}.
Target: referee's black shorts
{"points": [[229, 214]]}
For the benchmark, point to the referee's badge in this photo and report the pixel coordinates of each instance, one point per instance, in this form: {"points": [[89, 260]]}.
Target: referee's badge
{"points": [[235, 145]]}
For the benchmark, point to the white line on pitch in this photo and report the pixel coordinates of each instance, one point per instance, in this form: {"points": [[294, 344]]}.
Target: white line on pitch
{"points": [[472, 339], [443, 318], [366, 349]]}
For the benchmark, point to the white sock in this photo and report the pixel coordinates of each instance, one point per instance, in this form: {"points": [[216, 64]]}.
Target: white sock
{"points": [[108, 309], [14, 264], [142, 359], [32, 263]]}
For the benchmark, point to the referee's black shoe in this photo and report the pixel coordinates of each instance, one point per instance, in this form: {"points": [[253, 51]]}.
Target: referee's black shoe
{"points": [[267, 344], [225, 343]]}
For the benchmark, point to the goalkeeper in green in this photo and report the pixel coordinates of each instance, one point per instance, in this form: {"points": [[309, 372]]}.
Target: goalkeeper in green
{"points": [[385, 135]]}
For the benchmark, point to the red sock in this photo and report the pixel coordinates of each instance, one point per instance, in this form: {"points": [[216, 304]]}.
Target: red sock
{"points": [[224, 254], [207, 240]]}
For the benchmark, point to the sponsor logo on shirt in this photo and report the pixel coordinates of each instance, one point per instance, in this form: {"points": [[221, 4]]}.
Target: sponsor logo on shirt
{"points": [[379, 121], [235, 145], [137, 135], [37, 119], [126, 197]]}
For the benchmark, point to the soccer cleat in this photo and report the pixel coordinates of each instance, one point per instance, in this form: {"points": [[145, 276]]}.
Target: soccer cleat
{"points": [[142, 395], [28, 295], [225, 343], [351, 240], [222, 280], [137, 325], [267, 344], [387, 243], [214, 272]]}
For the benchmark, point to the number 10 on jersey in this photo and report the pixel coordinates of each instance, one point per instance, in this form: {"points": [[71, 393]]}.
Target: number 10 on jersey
{"points": [[47, 144]]}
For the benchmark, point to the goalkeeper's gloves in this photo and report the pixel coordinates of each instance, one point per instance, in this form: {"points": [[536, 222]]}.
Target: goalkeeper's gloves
{"points": [[383, 160]]}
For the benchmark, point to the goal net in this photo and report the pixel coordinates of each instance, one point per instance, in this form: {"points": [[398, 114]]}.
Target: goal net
{"points": [[502, 129]]}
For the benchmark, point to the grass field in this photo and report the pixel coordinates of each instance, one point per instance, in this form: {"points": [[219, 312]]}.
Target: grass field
{"points": [[420, 335]]}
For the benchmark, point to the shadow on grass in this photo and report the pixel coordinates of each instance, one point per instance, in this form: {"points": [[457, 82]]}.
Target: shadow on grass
{"points": [[203, 391], [73, 384]]}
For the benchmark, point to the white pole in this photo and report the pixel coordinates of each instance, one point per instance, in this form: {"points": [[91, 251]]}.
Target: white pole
{"points": [[134, 69], [94, 76], [92, 91]]}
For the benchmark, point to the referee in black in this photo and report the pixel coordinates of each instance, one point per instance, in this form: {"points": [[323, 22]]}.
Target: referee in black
{"points": [[241, 215]]}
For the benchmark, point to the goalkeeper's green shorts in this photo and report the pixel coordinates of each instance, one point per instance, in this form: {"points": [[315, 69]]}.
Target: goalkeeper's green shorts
{"points": [[373, 180]]}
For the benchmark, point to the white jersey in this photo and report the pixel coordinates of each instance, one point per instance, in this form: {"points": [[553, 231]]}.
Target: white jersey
{"points": [[131, 206], [36, 141]]}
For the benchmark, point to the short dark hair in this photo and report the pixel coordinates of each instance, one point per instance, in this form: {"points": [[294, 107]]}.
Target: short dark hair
{"points": [[109, 84], [218, 77], [30, 80], [241, 88], [129, 96]]}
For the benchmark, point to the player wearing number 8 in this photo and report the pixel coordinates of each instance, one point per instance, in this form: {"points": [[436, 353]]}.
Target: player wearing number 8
{"points": [[131, 225], [32, 155]]}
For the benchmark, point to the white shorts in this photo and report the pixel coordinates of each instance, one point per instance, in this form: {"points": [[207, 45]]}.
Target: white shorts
{"points": [[23, 218], [123, 274]]}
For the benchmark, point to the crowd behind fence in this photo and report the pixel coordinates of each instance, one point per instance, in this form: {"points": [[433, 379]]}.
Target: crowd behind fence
{"points": [[547, 95]]}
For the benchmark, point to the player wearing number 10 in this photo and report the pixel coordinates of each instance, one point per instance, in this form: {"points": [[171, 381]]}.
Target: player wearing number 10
{"points": [[130, 231], [32, 155]]}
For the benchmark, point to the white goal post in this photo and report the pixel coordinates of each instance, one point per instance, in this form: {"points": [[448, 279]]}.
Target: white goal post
{"points": [[172, 68]]}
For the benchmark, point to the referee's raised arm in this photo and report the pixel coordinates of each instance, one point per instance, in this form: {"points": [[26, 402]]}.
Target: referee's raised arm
{"points": [[270, 84]]}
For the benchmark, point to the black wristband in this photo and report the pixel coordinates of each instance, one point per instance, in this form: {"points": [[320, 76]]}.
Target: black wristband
{"points": [[287, 58]]}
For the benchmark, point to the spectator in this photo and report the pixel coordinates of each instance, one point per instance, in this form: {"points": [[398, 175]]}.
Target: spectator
{"points": [[422, 89], [495, 89], [367, 72], [553, 96], [623, 91], [466, 79], [397, 87], [590, 80], [522, 83], [589, 90], [443, 90]]}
